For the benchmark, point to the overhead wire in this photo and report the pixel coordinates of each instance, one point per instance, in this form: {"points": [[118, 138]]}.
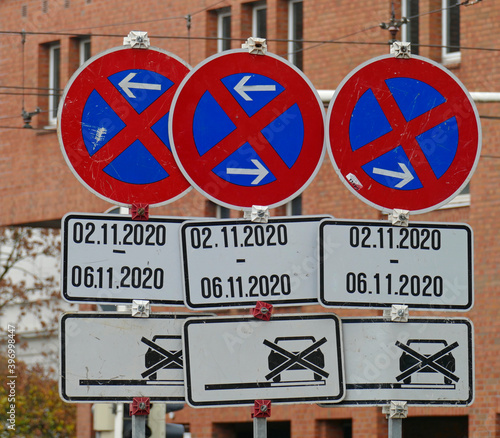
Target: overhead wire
{"points": [[336, 40], [316, 43]]}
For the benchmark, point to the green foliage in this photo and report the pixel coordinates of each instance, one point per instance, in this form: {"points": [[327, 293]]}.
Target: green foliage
{"points": [[39, 410]]}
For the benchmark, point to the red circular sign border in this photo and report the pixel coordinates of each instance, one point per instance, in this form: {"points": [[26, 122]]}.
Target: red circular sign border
{"points": [[69, 117], [219, 66], [346, 97]]}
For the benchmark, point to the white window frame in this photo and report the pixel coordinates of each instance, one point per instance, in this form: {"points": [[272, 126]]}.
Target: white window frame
{"points": [[447, 58], [255, 10], [291, 30], [461, 200], [82, 45], [405, 28], [222, 212], [52, 82], [222, 15], [292, 205]]}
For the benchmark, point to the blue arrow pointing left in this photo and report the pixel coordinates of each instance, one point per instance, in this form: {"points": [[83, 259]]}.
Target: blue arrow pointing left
{"points": [[140, 87]]}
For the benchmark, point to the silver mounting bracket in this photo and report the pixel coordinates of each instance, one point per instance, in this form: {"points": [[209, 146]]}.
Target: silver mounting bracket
{"points": [[137, 40], [258, 214], [397, 313], [255, 46], [399, 217], [401, 50], [397, 409], [141, 309]]}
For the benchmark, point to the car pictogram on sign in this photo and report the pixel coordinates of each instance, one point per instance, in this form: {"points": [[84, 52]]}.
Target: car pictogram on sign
{"points": [[163, 354], [294, 369], [430, 357]]}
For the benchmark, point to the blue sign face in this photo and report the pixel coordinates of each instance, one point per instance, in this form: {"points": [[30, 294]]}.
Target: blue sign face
{"points": [[414, 98], [114, 126], [403, 134], [247, 130], [101, 123], [212, 124]]}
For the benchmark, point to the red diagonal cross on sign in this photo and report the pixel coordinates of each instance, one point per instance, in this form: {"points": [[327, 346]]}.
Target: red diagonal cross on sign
{"points": [[94, 77], [212, 169], [138, 127], [248, 129], [403, 134]]}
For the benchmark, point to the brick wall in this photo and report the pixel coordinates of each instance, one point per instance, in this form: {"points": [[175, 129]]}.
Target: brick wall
{"points": [[37, 185]]}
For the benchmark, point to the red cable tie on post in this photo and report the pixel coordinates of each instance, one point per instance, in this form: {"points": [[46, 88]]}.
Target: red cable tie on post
{"points": [[261, 409], [140, 406], [140, 212], [262, 310]]}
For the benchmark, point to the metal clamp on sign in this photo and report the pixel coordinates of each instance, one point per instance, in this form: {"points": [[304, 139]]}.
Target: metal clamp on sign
{"points": [[261, 409], [140, 212], [262, 310], [140, 406]]}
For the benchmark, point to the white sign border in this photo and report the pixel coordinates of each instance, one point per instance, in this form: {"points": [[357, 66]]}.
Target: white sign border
{"points": [[435, 225], [420, 403], [246, 304], [243, 319], [103, 216]]}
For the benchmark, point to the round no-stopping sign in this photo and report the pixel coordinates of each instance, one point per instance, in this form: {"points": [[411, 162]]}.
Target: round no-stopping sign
{"points": [[403, 133], [247, 129], [113, 126]]}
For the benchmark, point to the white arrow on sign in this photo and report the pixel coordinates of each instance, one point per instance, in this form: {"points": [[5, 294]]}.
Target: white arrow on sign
{"points": [[259, 170], [241, 88], [126, 85], [404, 176]]}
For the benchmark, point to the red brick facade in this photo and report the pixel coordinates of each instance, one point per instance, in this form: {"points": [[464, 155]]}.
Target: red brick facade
{"points": [[36, 185]]}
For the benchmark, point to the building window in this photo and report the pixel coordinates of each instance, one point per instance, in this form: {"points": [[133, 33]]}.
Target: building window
{"points": [[215, 210], [222, 212], [84, 48], [442, 427], [410, 30], [294, 207], [461, 200], [224, 29], [54, 81], [259, 20], [295, 33], [450, 32]]}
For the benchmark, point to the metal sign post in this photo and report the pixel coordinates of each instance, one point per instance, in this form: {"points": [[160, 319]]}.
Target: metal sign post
{"points": [[139, 410], [260, 412], [395, 412], [259, 427], [138, 426], [395, 427]]}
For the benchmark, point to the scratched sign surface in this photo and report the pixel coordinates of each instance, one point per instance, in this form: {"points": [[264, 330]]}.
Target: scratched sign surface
{"points": [[116, 357], [425, 361], [113, 126], [403, 133]]}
